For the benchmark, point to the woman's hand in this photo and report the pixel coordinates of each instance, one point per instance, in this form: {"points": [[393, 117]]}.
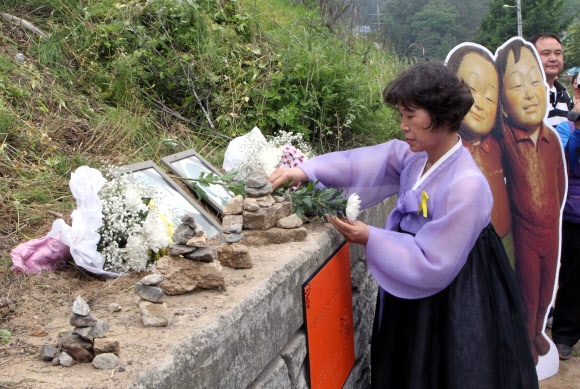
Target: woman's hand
{"points": [[357, 232], [283, 175]]}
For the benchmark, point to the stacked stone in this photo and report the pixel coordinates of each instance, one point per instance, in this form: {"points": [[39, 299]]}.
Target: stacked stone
{"points": [[263, 218], [85, 343], [152, 307], [201, 271], [191, 241]]}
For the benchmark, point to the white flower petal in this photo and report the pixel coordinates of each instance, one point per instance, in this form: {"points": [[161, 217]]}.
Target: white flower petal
{"points": [[352, 207]]}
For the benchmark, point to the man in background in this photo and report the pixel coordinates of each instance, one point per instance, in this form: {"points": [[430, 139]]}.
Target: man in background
{"points": [[549, 47]]}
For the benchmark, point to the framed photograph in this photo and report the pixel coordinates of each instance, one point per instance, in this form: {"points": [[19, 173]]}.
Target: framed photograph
{"points": [[178, 199], [190, 164]]}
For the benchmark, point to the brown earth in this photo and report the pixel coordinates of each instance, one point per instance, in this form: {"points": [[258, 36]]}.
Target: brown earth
{"points": [[41, 306]]}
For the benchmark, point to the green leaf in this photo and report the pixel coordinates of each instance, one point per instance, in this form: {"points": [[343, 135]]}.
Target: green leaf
{"points": [[5, 336]]}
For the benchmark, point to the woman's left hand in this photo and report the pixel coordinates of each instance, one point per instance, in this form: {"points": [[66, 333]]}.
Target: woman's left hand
{"points": [[356, 232]]}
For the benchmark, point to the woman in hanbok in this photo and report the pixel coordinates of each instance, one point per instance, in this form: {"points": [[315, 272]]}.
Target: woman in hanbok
{"points": [[448, 312]]}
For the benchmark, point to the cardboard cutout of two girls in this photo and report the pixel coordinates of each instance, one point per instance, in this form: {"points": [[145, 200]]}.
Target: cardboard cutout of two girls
{"points": [[523, 161]]}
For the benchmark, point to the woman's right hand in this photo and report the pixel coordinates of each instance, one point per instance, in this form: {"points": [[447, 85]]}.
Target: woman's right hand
{"points": [[283, 175]]}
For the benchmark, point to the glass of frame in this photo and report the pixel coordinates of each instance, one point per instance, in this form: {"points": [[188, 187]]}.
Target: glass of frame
{"points": [[190, 164], [180, 202]]}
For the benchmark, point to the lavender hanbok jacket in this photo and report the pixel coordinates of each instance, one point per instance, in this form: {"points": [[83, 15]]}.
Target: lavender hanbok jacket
{"points": [[426, 261]]}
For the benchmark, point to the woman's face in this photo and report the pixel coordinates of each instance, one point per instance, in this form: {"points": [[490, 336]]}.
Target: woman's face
{"points": [[482, 79], [415, 124], [524, 92]]}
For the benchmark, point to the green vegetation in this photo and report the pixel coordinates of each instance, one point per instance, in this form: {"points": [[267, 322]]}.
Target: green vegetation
{"points": [[500, 23], [124, 81]]}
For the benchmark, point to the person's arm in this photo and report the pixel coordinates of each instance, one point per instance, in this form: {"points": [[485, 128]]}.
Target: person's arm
{"points": [[371, 172], [563, 130], [419, 266]]}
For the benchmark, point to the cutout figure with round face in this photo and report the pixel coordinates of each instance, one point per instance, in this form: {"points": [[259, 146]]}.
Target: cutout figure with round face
{"points": [[474, 65], [535, 180]]}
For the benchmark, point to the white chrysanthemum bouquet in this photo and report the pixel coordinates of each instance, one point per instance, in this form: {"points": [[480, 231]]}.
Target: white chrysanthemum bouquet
{"points": [[134, 229], [252, 151], [120, 225]]}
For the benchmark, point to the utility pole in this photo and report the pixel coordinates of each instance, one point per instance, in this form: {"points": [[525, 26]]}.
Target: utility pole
{"points": [[519, 9], [378, 15]]}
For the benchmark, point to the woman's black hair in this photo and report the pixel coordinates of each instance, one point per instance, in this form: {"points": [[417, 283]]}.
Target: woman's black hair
{"points": [[435, 88]]}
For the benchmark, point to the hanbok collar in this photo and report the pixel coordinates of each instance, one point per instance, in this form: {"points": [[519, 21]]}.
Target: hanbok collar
{"points": [[433, 168]]}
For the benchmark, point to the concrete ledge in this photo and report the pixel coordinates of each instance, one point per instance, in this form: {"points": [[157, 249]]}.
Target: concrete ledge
{"points": [[257, 339]]}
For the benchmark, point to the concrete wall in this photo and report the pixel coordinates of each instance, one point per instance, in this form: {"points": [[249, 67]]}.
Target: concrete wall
{"points": [[261, 341]]}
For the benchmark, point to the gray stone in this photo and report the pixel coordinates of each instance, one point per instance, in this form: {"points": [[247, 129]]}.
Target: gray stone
{"points": [[274, 376], [105, 361], [266, 218], [189, 219], [234, 229], [150, 293], [198, 241], [179, 249], [182, 234], [294, 354], [203, 254], [279, 199], [258, 179], [152, 279], [97, 330], [231, 220], [301, 382], [82, 321], [80, 307], [48, 352], [265, 201], [259, 192], [56, 360], [115, 307], [65, 360], [181, 276], [274, 236], [78, 348], [233, 238], [251, 204], [235, 206], [153, 315], [106, 345], [235, 255], [292, 221]]}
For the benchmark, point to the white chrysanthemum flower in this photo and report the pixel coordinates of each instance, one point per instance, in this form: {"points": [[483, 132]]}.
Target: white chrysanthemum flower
{"points": [[352, 207], [133, 201], [137, 253], [155, 231], [269, 158]]}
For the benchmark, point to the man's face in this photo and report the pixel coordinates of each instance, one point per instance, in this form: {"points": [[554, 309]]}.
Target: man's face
{"points": [[551, 55], [481, 77], [524, 92]]}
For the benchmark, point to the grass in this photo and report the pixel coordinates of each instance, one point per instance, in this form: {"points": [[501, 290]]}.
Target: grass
{"points": [[121, 82]]}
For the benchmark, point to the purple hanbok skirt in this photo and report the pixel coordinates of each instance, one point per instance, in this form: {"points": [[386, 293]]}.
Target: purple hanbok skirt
{"points": [[470, 335]]}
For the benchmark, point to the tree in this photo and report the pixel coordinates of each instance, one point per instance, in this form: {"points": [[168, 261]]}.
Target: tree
{"points": [[572, 46], [500, 23], [429, 29]]}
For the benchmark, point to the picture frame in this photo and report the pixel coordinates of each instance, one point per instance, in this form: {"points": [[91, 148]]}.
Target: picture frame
{"points": [[190, 164], [151, 174]]}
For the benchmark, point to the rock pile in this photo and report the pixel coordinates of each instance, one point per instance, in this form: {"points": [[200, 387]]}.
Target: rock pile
{"points": [[257, 220], [86, 343], [200, 270], [153, 309]]}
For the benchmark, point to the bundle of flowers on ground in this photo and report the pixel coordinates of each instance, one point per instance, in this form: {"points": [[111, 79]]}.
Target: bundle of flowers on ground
{"points": [[120, 224], [252, 151]]}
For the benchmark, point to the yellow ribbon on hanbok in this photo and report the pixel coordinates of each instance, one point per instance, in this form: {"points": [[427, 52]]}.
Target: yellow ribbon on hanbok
{"points": [[423, 205]]}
